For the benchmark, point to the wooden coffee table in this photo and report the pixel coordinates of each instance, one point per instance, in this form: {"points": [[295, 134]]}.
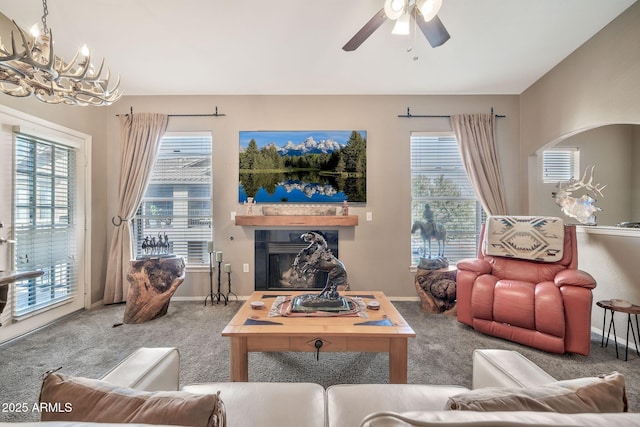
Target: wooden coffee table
{"points": [[383, 330]]}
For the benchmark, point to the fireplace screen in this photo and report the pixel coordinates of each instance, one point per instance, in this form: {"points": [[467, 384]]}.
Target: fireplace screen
{"points": [[275, 253]]}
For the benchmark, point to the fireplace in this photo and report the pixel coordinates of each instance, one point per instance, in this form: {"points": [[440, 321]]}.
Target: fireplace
{"points": [[275, 252]]}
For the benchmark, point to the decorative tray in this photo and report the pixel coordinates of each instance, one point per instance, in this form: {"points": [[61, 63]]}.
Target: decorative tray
{"points": [[308, 303], [620, 303]]}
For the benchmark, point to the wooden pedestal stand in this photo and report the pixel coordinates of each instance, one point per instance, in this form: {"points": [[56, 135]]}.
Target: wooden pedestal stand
{"points": [[437, 290], [152, 283]]}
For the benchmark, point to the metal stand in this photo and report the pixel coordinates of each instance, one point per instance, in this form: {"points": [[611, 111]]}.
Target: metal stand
{"points": [[210, 280], [230, 293], [219, 295], [612, 322]]}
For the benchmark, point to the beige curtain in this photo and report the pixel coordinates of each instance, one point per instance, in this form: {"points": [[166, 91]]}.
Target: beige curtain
{"points": [[475, 134], [140, 135]]}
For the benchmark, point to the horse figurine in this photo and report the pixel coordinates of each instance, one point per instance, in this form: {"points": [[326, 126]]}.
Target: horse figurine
{"points": [[431, 230], [318, 257]]}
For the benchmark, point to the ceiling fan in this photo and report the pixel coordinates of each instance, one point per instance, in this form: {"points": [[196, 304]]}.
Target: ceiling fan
{"points": [[423, 12]]}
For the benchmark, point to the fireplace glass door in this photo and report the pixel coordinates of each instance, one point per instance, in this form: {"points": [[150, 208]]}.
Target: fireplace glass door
{"points": [[275, 254]]}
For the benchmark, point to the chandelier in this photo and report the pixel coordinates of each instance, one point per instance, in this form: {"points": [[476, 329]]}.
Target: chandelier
{"points": [[28, 66]]}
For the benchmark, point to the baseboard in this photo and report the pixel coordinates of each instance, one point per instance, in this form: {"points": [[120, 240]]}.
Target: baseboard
{"points": [[201, 299], [97, 304], [400, 299], [621, 340]]}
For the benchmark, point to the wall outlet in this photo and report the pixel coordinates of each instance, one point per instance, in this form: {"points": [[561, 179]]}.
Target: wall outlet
{"points": [[369, 216], [245, 268], [233, 216]]}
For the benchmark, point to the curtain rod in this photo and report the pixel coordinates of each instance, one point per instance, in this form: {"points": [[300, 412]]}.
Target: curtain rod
{"points": [[216, 114], [443, 116]]}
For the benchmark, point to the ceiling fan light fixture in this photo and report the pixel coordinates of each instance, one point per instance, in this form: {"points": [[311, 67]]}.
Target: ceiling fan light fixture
{"points": [[429, 8], [402, 26], [394, 9]]}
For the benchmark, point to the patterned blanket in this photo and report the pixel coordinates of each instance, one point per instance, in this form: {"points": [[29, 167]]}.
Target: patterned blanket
{"points": [[525, 237]]}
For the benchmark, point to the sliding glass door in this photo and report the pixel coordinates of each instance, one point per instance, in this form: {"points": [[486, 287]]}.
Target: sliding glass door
{"points": [[45, 217], [45, 223]]}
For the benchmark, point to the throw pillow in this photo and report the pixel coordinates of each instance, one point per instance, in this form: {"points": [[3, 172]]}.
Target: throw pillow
{"points": [[65, 398], [594, 394], [525, 237]]}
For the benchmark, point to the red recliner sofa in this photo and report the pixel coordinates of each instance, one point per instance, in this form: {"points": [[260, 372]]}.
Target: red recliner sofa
{"points": [[545, 305]]}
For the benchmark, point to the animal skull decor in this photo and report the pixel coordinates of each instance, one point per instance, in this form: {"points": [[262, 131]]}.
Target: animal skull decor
{"points": [[581, 208]]}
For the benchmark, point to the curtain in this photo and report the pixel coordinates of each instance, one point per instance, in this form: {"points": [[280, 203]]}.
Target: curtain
{"points": [[475, 134], [140, 135]]}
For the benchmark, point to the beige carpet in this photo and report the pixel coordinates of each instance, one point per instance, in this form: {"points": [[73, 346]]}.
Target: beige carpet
{"points": [[87, 344]]}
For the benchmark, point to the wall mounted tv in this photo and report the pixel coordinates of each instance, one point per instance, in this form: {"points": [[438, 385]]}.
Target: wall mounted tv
{"points": [[303, 166]]}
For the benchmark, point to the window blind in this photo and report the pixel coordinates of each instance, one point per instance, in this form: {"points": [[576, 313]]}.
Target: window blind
{"points": [[178, 199], [560, 165], [438, 178], [45, 229]]}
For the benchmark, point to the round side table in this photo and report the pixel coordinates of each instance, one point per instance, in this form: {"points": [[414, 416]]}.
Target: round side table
{"points": [[633, 309]]}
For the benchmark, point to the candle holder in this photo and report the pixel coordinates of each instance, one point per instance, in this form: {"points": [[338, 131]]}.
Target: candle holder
{"points": [[210, 280], [229, 291], [219, 295]]}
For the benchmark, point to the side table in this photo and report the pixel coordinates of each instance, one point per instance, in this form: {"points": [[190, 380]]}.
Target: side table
{"points": [[437, 290], [152, 283], [633, 309]]}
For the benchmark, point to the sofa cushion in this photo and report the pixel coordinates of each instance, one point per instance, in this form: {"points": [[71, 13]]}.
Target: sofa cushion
{"points": [[264, 404], [65, 398], [148, 369], [506, 368], [348, 404], [502, 419], [593, 394]]}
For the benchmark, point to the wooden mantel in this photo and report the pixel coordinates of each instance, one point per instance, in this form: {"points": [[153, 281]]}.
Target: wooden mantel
{"points": [[296, 220]]}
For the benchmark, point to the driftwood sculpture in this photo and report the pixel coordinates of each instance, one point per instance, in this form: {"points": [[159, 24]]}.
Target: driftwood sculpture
{"points": [[152, 283], [437, 290]]}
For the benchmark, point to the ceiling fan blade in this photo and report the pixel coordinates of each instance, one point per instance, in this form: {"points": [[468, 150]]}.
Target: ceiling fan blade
{"points": [[364, 33], [433, 30]]}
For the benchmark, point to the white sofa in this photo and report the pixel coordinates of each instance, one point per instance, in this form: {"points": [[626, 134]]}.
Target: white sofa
{"points": [[348, 405]]}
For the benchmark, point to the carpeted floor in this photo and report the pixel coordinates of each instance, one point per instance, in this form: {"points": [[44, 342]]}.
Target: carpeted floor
{"points": [[87, 344]]}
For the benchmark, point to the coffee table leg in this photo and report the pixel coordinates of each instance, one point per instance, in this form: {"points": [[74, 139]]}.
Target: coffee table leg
{"points": [[239, 359], [398, 361]]}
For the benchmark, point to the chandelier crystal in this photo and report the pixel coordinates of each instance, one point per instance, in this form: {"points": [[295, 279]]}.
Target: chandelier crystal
{"points": [[28, 66]]}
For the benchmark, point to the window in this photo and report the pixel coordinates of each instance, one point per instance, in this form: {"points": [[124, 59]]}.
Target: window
{"points": [[177, 202], [438, 178], [45, 227], [560, 164]]}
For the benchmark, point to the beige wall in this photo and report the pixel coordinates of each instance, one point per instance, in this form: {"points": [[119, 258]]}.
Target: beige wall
{"points": [[376, 253], [597, 85], [635, 175], [610, 149]]}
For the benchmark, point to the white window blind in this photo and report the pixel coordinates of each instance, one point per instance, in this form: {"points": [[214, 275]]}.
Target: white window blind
{"points": [[45, 229], [178, 200], [560, 165], [438, 179]]}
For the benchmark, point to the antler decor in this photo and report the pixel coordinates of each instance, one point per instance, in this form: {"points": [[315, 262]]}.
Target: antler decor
{"points": [[581, 208], [34, 69]]}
